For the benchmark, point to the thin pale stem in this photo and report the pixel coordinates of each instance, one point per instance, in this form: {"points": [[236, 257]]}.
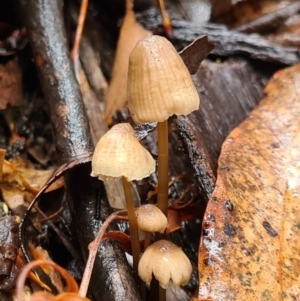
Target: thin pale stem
{"points": [[93, 249], [79, 29], [162, 191], [133, 228], [147, 240]]}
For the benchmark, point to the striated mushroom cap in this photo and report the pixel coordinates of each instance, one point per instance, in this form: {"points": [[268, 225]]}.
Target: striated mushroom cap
{"points": [[159, 84], [150, 218], [118, 153], [167, 262]]}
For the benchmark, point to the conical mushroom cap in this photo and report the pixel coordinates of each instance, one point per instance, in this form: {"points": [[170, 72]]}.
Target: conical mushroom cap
{"points": [[159, 84], [166, 262], [118, 153], [150, 218]]}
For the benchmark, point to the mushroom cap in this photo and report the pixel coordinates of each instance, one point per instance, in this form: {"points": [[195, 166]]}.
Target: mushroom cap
{"points": [[118, 153], [167, 262], [150, 218], [159, 84]]}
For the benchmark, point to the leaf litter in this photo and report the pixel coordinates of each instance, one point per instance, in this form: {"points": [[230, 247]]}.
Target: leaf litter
{"points": [[250, 245]]}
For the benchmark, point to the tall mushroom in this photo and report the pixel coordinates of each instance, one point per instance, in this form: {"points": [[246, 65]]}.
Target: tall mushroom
{"points": [[119, 154], [159, 85]]}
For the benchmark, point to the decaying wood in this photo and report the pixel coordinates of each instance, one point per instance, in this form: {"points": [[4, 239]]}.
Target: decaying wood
{"points": [[227, 42], [9, 245], [73, 141], [228, 92], [271, 20]]}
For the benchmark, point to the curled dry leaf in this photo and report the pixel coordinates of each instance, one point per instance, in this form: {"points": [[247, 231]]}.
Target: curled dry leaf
{"points": [[71, 289], [38, 253], [250, 249], [20, 184], [44, 296], [130, 34], [122, 238], [196, 52]]}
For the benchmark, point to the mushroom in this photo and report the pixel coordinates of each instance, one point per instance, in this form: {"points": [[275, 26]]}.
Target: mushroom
{"points": [[159, 85], [150, 219], [119, 154], [166, 262]]}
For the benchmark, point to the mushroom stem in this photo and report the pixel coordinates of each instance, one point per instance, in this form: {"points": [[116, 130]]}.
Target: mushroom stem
{"points": [[134, 235], [162, 193], [147, 240]]}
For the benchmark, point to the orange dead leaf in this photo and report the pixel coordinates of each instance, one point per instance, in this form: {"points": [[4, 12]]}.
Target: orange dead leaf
{"points": [[2, 158], [20, 184], [130, 34], [71, 289], [44, 296], [20, 264], [38, 253], [250, 248]]}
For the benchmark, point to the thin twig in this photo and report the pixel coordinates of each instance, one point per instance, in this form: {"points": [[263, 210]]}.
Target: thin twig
{"points": [[79, 29], [93, 249]]}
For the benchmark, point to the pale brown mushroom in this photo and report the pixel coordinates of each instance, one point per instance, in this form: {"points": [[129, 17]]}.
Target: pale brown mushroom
{"points": [[119, 154], [150, 218], [159, 85], [166, 262]]}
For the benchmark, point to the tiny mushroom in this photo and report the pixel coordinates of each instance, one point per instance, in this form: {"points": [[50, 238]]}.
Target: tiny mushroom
{"points": [[159, 85], [150, 218], [119, 154], [166, 262]]}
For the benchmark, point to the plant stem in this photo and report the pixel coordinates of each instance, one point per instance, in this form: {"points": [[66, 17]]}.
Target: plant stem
{"points": [[147, 240], [162, 193], [79, 29], [93, 249], [165, 19], [133, 228]]}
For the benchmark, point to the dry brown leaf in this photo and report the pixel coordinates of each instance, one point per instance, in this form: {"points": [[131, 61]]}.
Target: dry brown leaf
{"points": [[71, 288], [38, 253], [20, 185], [2, 158], [249, 10], [10, 84], [130, 34], [250, 247]]}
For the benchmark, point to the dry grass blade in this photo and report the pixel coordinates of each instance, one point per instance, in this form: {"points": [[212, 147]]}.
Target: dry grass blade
{"points": [[130, 34]]}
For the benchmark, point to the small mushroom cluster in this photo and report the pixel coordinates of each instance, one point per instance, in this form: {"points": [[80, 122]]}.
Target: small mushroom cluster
{"points": [[159, 86]]}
